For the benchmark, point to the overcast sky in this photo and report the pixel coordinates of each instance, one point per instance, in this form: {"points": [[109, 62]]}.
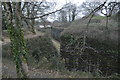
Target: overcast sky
{"points": [[60, 3]]}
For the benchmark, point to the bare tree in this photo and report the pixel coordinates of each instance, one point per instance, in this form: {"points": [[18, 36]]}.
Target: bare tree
{"points": [[71, 11], [34, 9], [88, 7], [63, 16], [28, 13]]}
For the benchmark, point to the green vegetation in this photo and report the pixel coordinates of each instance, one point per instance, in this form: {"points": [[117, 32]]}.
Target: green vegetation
{"points": [[99, 17], [38, 47]]}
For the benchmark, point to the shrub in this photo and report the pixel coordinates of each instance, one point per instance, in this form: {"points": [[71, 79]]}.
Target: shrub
{"points": [[38, 47], [101, 53]]}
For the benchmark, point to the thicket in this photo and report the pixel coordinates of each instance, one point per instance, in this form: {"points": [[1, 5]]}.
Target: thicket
{"points": [[98, 57]]}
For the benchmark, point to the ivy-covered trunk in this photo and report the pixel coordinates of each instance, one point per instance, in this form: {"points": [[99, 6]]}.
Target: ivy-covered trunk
{"points": [[18, 45]]}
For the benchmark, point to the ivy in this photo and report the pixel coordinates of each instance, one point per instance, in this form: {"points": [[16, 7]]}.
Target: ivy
{"points": [[18, 47]]}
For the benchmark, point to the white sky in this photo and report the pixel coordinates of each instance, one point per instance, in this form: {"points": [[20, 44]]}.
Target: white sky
{"points": [[66, 1], [60, 3]]}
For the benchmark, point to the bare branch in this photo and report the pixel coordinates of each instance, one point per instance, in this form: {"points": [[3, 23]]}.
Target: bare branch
{"points": [[85, 34], [42, 15]]}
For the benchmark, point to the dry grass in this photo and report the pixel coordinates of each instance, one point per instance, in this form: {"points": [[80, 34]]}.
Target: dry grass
{"points": [[10, 72]]}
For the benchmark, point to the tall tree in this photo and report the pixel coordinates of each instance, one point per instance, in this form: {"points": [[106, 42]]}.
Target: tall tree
{"points": [[72, 11], [18, 45], [63, 16], [14, 24], [69, 12], [88, 6], [34, 9]]}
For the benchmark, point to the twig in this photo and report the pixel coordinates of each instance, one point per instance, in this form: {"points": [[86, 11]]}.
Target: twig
{"points": [[42, 15], [91, 14]]}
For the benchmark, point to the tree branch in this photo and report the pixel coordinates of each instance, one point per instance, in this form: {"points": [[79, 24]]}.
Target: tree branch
{"points": [[42, 15]]}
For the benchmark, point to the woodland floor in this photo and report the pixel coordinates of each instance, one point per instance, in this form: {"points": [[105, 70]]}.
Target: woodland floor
{"points": [[9, 71], [8, 67]]}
